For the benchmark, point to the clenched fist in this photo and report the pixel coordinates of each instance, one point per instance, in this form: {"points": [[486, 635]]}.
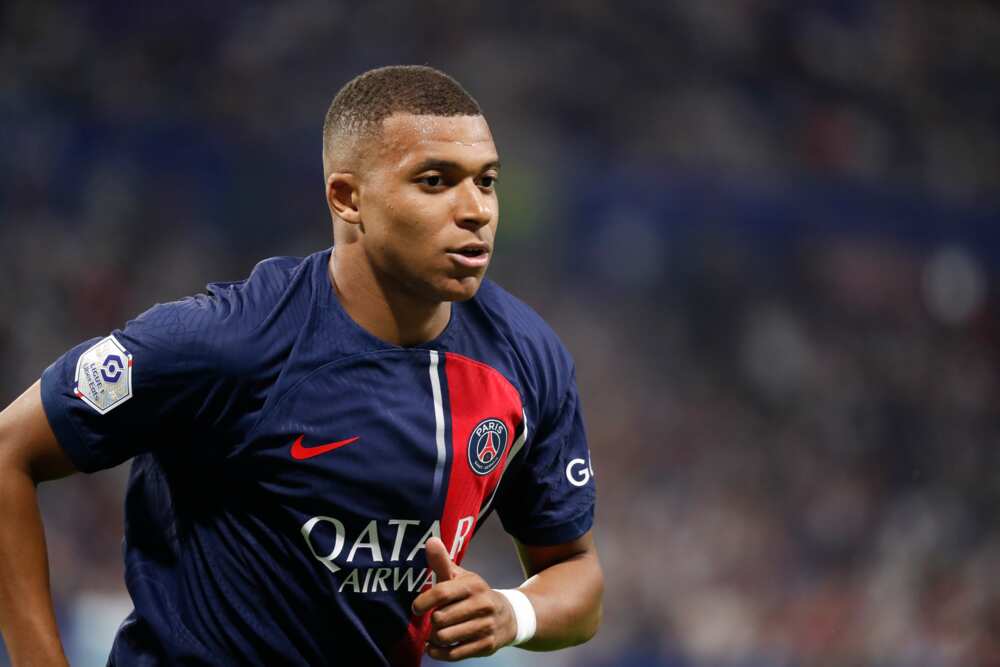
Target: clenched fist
{"points": [[469, 618]]}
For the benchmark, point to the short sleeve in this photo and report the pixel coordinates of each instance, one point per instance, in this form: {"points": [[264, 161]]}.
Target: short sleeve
{"points": [[549, 496], [146, 387]]}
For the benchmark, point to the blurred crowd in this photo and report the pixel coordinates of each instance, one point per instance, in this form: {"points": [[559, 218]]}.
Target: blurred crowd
{"points": [[794, 433]]}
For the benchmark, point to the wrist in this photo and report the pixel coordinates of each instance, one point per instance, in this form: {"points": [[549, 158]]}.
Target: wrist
{"points": [[525, 622]]}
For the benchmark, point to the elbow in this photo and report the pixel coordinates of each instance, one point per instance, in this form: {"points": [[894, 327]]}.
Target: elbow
{"points": [[597, 616], [592, 623]]}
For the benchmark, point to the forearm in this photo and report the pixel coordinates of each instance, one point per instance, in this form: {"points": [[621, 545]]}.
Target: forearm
{"points": [[567, 601], [27, 619], [29, 453]]}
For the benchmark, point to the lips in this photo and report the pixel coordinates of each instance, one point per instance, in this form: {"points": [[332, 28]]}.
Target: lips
{"points": [[472, 255]]}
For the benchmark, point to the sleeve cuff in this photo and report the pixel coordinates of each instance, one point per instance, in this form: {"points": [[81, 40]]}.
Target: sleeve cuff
{"points": [[69, 439], [546, 536]]}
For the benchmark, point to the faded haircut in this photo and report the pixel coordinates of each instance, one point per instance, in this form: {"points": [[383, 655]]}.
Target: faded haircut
{"points": [[358, 109]]}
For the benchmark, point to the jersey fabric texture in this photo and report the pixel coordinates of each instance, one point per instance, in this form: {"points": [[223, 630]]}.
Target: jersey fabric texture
{"points": [[289, 467]]}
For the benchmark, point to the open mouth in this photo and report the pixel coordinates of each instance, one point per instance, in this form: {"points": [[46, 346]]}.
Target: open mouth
{"points": [[476, 251], [474, 255]]}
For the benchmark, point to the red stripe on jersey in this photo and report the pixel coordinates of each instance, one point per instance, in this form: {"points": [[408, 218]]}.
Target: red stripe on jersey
{"points": [[476, 392]]}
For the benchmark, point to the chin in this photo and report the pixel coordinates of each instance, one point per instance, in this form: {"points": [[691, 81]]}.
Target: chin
{"points": [[461, 289]]}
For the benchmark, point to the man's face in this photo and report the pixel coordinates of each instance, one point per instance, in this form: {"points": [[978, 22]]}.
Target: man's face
{"points": [[428, 204]]}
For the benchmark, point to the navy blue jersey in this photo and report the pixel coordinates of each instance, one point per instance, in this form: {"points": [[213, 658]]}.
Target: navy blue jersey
{"points": [[289, 467]]}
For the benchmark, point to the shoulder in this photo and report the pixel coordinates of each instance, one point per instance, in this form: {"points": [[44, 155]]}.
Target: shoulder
{"points": [[520, 318], [527, 333], [225, 322], [273, 284]]}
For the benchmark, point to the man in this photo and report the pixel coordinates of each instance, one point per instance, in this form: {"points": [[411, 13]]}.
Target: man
{"points": [[315, 446]]}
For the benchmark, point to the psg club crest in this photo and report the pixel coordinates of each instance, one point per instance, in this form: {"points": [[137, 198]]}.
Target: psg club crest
{"points": [[486, 445]]}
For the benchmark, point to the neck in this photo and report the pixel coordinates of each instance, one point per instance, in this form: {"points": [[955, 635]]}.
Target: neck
{"points": [[380, 307]]}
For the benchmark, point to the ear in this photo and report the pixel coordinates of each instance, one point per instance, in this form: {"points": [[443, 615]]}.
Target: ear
{"points": [[342, 196]]}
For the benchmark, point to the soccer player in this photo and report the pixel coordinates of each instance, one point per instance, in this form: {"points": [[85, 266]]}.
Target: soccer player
{"points": [[315, 446]]}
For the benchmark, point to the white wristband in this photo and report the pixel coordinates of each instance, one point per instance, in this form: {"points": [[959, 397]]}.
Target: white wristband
{"points": [[524, 614]]}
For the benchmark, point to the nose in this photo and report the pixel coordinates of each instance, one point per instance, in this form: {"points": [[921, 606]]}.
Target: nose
{"points": [[473, 207]]}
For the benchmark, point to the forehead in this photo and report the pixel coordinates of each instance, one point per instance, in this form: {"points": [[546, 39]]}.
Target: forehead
{"points": [[410, 139]]}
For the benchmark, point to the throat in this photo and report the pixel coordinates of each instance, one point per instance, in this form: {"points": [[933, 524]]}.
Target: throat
{"points": [[408, 328], [391, 315]]}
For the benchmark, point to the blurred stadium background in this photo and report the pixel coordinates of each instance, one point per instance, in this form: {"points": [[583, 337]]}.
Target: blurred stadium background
{"points": [[769, 231]]}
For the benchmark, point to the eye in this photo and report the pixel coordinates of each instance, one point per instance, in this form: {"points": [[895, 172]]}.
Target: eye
{"points": [[432, 180], [488, 182]]}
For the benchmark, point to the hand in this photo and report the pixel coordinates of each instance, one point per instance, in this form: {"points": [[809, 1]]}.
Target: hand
{"points": [[470, 619]]}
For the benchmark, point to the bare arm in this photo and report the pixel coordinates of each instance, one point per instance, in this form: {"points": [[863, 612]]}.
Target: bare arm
{"points": [[29, 454], [470, 619], [565, 586]]}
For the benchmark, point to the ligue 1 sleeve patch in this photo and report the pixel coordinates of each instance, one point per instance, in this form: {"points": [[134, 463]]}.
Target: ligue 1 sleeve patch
{"points": [[104, 375]]}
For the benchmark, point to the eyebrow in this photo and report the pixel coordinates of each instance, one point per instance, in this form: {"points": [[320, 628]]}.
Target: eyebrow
{"points": [[449, 165]]}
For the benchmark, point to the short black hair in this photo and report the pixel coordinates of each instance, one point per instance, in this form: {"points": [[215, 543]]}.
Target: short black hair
{"points": [[369, 98]]}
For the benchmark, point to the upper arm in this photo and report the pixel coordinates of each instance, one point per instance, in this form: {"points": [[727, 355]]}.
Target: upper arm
{"points": [[27, 441], [172, 372], [547, 496], [534, 559]]}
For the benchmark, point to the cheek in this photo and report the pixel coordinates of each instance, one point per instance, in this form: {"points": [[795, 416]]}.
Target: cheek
{"points": [[419, 222], [407, 232]]}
